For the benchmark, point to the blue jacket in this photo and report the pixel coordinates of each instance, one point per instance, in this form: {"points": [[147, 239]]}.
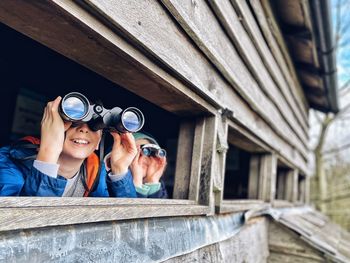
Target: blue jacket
{"points": [[20, 178]]}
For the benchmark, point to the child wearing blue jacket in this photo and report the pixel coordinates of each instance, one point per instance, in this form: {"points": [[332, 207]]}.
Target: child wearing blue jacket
{"points": [[63, 162]]}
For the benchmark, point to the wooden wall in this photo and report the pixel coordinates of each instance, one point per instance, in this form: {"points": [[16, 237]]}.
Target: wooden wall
{"points": [[192, 56]]}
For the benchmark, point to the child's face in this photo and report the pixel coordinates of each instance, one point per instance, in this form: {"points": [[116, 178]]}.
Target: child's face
{"points": [[80, 141]]}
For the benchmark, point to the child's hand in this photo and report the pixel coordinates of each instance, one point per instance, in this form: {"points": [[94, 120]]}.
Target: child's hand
{"points": [[155, 169], [52, 133], [123, 152]]}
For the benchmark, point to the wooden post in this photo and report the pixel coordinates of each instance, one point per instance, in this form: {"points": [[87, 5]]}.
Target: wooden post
{"points": [[268, 170], [195, 158], [291, 191], [254, 175], [183, 160], [220, 162], [307, 190], [205, 193], [281, 184]]}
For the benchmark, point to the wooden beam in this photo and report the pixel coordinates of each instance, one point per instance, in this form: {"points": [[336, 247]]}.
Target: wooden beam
{"points": [[69, 30], [212, 40], [258, 27], [268, 173], [185, 61], [220, 162], [88, 40], [184, 160], [254, 176], [292, 185], [271, 83], [196, 163]]}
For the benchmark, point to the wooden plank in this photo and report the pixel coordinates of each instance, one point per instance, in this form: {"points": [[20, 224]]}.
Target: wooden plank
{"points": [[222, 54], [184, 160], [269, 77], [233, 206], [184, 59], [292, 185], [205, 190], [284, 61], [108, 54], [302, 188], [24, 218], [197, 159], [307, 189], [268, 170], [100, 50], [28, 202], [220, 162], [281, 185], [282, 204], [283, 240], [254, 173]]}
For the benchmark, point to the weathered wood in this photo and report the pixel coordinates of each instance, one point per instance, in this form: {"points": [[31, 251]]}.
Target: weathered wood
{"points": [[282, 204], [268, 170], [100, 50], [283, 60], [111, 56], [232, 206], [283, 241], [33, 217], [281, 185], [220, 161], [197, 159], [254, 173], [185, 60], [27, 202], [274, 86], [244, 140], [301, 188], [184, 160], [221, 53], [292, 185], [307, 189], [205, 190]]}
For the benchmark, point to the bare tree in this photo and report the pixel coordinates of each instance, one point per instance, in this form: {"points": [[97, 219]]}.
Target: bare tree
{"points": [[342, 40]]}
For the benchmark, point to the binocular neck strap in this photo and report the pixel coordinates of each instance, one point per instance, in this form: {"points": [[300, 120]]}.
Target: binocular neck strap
{"points": [[97, 179]]}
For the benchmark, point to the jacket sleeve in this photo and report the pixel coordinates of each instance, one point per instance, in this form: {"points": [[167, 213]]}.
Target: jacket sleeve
{"points": [[162, 193], [23, 179], [40, 184], [11, 178], [123, 187]]}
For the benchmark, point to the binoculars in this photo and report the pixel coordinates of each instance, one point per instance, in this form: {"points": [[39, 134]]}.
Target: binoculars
{"points": [[153, 150], [75, 107]]}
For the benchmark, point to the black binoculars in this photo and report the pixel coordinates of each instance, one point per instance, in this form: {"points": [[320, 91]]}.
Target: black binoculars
{"points": [[75, 107], [153, 150]]}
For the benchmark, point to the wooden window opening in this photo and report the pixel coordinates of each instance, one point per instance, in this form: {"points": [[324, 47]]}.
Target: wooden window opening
{"points": [[249, 173]]}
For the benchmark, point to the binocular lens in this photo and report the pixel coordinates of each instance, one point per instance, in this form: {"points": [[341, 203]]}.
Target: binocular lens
{"points": [[146, 151], [132, 119], [75, 106], [161, 153]]}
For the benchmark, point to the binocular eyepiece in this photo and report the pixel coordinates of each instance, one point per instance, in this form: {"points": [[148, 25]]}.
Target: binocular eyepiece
{"points": [[153, 150], [75, 107]]}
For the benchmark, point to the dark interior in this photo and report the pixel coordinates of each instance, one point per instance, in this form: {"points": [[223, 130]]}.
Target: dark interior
{"points": [[236, 173], [33, 74]]}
